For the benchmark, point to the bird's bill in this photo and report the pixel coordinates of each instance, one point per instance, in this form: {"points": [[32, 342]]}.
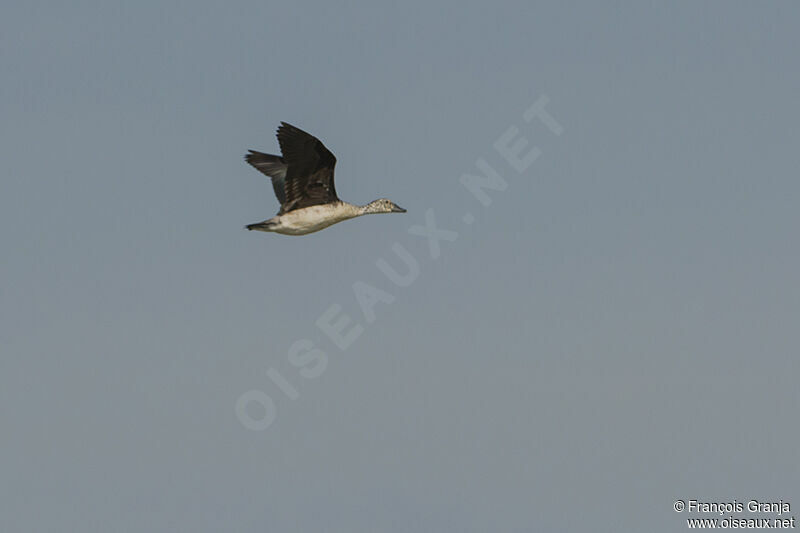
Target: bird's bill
{"points": [[397, 209]]}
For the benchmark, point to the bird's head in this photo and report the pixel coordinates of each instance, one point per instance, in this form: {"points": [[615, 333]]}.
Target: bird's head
{"points": [[383, 206]]}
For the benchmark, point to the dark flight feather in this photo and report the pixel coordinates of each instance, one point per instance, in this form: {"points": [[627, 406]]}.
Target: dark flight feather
{"points": [[309, 173], [274, 167]]}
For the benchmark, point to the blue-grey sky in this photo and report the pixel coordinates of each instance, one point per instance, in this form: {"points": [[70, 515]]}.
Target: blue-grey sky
{"points": [[616, 330]]}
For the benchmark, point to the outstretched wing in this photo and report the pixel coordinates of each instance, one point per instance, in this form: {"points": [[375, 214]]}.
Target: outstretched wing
{"points": [[273, 166], [309, 173]]}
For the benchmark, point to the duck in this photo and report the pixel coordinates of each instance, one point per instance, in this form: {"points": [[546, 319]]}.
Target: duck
{"points": [[302, 179]]}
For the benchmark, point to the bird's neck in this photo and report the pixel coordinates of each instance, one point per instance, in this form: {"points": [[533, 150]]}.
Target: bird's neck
{"points": [[352, 210], [365, 210], [368, 209]]}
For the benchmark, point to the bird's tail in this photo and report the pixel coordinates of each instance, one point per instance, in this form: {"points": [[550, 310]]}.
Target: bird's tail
{"points": [[267, 225]]}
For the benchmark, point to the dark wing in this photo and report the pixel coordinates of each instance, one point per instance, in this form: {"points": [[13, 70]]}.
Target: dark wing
{"points": [[309, 176], [274, 167]]}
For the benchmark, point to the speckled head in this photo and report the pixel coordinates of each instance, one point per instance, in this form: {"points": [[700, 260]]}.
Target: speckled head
{"points": [[383, 205]]}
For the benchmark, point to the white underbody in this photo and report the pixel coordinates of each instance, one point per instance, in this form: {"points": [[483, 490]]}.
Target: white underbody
{"points": [[310, 219]]}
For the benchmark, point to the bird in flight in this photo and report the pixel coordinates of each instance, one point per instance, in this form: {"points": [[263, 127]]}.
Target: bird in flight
{"points": [[302, 178]]}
